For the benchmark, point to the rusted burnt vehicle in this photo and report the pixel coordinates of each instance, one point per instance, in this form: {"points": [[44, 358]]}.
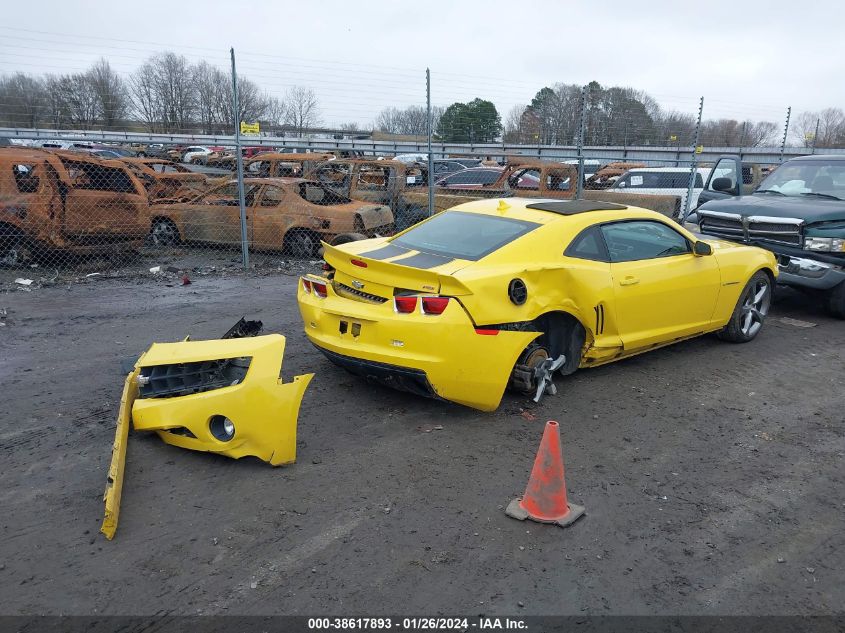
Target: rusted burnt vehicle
{"points": [[520, 177], [281, 165], [165, 180], [288, 214], [609, 174], [387, 182], [70, 202]]}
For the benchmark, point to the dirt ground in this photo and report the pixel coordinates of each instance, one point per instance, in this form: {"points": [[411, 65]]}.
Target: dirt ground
{"points": [[712, 475]]}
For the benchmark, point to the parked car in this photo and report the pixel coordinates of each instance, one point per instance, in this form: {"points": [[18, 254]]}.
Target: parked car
{"points": [[663, 180], [275, 164], [512, 290], [445, 166], [472, 178], [68, 201], [165, 180], [290, 214], [411, 158], [797, 212], [591, 166], [196, 155], [609, 174], [387, 182]]}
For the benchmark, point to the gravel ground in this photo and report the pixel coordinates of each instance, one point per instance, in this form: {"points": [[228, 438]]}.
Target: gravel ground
{"points": [[712, 475]]}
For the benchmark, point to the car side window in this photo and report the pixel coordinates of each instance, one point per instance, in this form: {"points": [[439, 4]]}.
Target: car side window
{"points": [[589, 244], [642, 239], [272, 196]]}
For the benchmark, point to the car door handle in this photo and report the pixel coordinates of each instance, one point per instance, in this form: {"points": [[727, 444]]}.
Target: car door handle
{"points": [[629, 281]]}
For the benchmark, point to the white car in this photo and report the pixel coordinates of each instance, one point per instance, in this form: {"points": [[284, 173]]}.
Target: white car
{"points": [[672, 181], [196, 155], [411, 158], [591, 166]]}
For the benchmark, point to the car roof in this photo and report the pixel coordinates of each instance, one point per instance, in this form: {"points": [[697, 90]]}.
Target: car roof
{"points": [[665, 170], [821, 157], [550, 210]]}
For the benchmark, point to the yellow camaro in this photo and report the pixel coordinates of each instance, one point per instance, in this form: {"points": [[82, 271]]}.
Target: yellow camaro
{"points": [[498, 293]]}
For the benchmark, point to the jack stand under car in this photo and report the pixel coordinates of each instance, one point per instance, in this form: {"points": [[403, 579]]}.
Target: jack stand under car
{"points": [[221, 396]]}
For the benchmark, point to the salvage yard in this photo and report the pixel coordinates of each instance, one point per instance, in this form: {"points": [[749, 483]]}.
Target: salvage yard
{"points": [[712, 476]]}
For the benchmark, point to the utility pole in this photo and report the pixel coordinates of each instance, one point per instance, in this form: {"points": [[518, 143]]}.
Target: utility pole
{"points": [[240, 162], [815, 137], [430, 132]]}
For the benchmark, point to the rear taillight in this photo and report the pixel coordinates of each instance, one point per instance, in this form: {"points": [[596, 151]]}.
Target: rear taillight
{"points": [[405, 305], [358, 262], [306, 285], [320, 289], [434, 305]]}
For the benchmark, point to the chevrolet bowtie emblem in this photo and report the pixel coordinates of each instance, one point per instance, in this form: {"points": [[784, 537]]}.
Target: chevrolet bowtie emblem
{"points": [[357, 284]]}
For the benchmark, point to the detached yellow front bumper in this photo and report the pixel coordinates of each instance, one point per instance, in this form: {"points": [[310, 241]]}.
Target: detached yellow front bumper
{"points": [[443, 354], [261, 408], [177, 390]]}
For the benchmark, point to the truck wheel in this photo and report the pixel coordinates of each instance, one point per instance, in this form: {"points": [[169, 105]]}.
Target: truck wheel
{"points": [[164, 233], [836, 301], [750, 311]]}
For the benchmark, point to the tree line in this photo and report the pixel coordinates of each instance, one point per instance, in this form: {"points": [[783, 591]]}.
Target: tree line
{"points": [[165, 94], [168, 94]]}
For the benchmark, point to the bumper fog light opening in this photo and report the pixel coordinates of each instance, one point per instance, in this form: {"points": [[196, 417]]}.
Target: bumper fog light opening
{"points": [[222, 428]]}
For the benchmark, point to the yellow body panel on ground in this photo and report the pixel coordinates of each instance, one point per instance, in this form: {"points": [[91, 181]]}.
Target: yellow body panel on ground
{"points": [[262, 408], [625, 307], [114, 487]]}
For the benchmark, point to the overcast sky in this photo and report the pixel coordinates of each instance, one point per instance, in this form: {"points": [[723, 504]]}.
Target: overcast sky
{"points": [[748, 59]]}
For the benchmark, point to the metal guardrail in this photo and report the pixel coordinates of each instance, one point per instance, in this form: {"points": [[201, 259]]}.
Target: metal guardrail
{"points": [[665, 154]]}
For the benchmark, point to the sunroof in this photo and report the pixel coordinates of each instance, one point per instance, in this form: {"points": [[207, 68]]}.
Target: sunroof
{"points": [[571, 207]]}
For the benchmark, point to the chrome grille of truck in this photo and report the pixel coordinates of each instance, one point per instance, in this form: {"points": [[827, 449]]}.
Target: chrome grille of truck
{"points": [[750, 228]]}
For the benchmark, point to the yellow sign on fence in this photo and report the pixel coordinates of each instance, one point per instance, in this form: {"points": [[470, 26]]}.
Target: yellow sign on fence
{"points": [[699, 149], [249, 128]]}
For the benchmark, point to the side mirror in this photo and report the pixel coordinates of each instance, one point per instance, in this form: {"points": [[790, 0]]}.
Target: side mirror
{"points": [[702, 248], [722, 184]]}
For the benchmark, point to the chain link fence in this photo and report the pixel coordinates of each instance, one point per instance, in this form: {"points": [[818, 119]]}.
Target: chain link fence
{"points": [[141, 179]]}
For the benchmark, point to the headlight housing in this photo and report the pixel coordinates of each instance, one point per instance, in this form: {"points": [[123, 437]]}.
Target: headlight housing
{"points": [[826, 244]]}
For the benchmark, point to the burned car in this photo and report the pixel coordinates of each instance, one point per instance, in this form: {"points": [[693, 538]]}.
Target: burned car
{"points": [[289, 214], [281, 165], [62, 200], [387, 182], [166, 180]]}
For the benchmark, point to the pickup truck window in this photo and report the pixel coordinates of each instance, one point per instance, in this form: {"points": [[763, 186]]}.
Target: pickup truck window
{"points": [[807, 178]]}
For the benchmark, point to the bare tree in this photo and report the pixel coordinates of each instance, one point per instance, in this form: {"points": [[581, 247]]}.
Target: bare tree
{"points": [[831, 128], [302, 109], [410, 121], [23, 100], [276, 113], [110, 91], [79, 99], [164, 94], [514, 123]]}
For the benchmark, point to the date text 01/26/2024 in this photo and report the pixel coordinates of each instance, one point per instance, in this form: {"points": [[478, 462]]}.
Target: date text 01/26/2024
{"points": [[416, 624]]}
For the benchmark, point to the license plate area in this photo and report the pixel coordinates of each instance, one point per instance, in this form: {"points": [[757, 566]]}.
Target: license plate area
{"points": [[347, 326]]}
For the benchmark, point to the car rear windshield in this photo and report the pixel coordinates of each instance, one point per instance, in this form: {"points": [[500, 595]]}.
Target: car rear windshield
{"points": [[464, 235]]}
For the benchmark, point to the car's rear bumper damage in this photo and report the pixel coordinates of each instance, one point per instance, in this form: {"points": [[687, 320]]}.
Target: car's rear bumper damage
{"points": [[443, 356]]}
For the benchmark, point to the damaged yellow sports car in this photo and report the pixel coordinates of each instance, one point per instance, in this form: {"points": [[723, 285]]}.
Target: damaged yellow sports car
{"points": [[498, 293]]}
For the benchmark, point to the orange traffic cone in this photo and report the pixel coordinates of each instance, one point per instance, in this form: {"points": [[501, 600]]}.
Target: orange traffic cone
{"points": [[545, 495]]}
